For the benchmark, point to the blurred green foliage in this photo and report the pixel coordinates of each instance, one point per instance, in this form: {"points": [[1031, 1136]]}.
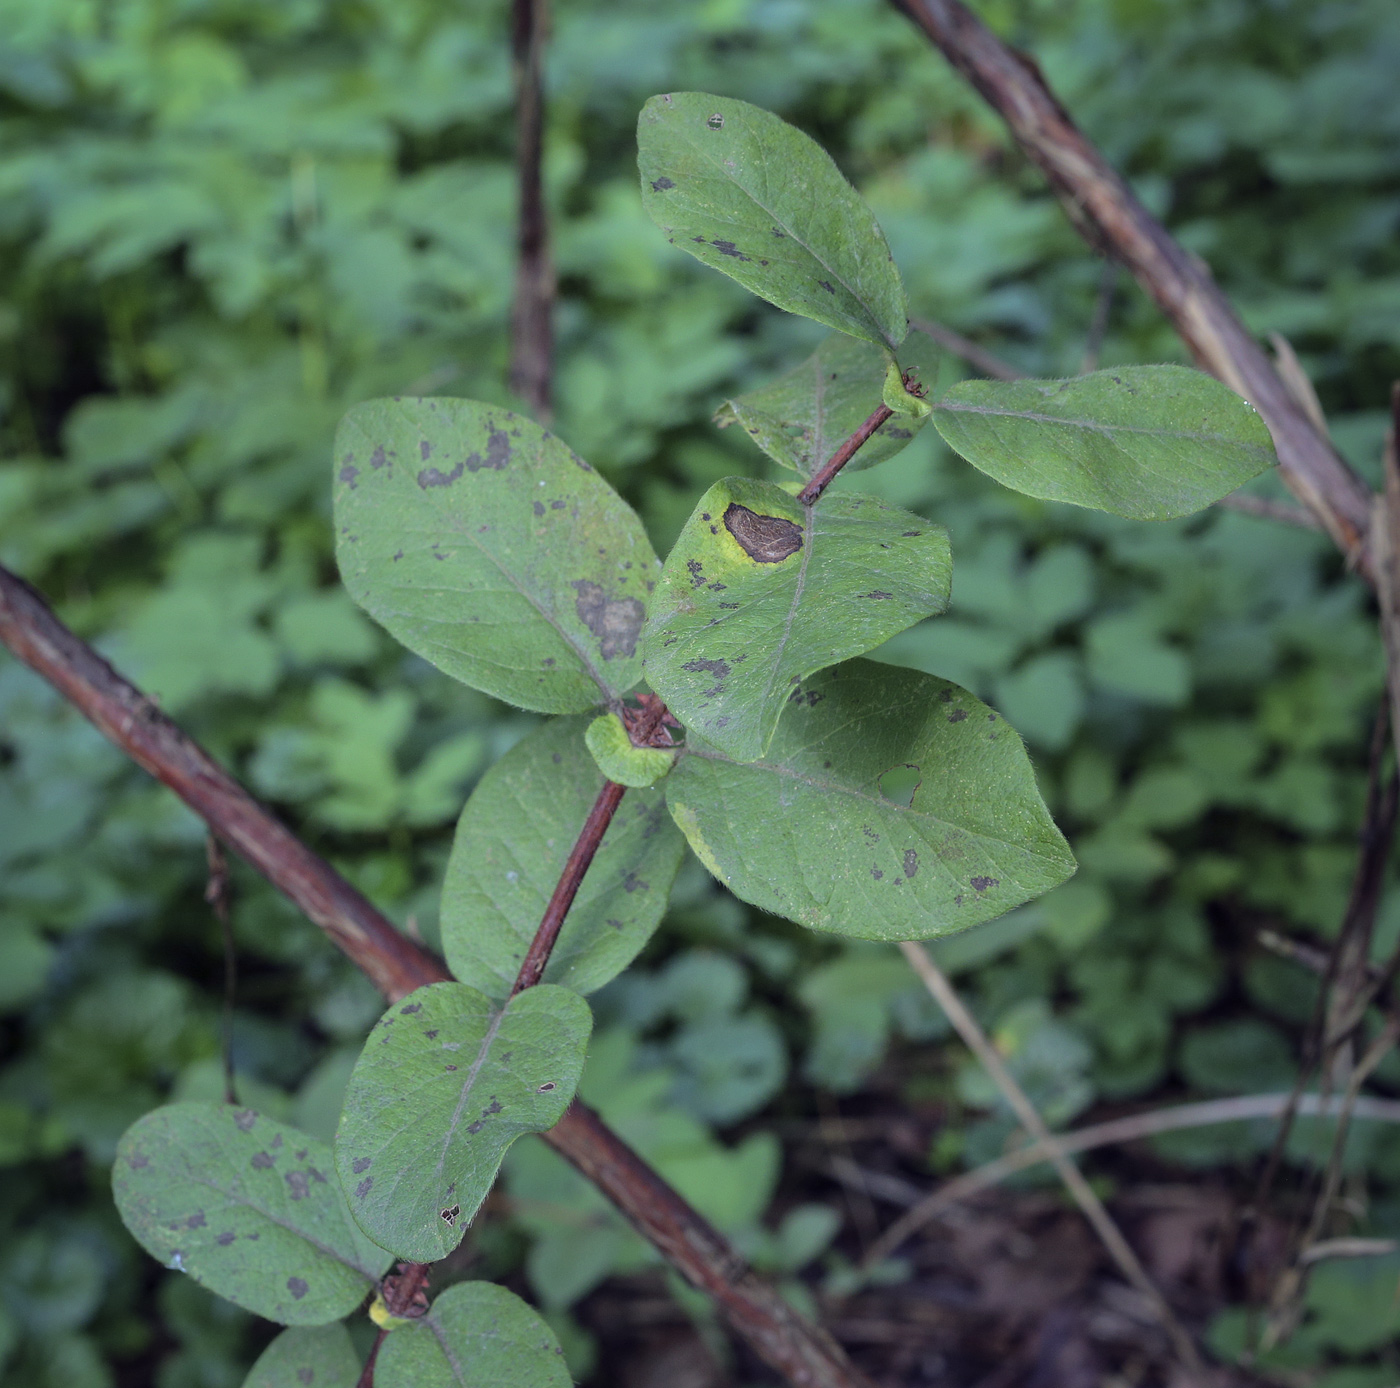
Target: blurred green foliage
{"points": [[223, 221]]}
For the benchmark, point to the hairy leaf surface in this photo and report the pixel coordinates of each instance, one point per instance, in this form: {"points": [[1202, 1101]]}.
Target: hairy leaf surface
{"points": [[512, 843], [761, 591], [804, 416], [476, 1335], [307, 1357], [891, 806], [749, 194], [447, 1080], [485, 545], [247, 1207], [1146, 442]]}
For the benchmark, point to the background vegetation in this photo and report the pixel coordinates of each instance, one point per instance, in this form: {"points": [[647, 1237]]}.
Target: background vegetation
{"points": [[223, 221]]}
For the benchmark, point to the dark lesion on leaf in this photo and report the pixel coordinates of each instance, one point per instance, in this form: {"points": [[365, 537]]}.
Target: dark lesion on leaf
{"points": [[616, 622], [660, 185], [765, 539]]}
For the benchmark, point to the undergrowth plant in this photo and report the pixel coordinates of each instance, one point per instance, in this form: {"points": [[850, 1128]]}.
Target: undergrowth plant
{"points": [[716, 699]]}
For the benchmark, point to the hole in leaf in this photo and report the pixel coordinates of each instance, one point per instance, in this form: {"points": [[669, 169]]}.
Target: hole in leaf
{"points": [[900, 784], [715, 121], [546, 1087]]}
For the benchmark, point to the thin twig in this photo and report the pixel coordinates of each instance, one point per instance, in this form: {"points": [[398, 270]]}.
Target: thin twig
{"points": [[366, 1378], [969, 351], [1112, 218], [1098, 324], [216, 893], [804, 1353], [532, 334], [1266, 509], [1208, 1113], [1029, 1117], [822, 478], [570, 879]]}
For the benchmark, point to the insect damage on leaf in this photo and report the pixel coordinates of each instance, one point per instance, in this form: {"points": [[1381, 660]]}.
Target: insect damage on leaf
{"points": [[765, 539]]}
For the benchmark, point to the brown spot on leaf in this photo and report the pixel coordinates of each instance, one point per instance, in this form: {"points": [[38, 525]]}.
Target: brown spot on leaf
{"points": [[196, 1220], [435, 477], [615, 622], [261, 1161], [826, 286], [363, 1189], [138, 1161], [244, 1120], [911, 863], [718, 668], [377, 459], [730, 249], [957, 715], [765, 539], [632, 883], [980, 884], [226, 1238], [306, 1375], [298, 1184], [348, 474], [660, 185], [298, 1288], [411, 1008], [877, 594]]}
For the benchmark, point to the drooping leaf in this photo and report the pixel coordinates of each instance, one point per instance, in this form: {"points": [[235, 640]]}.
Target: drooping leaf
{"points": [[619, 759], [752, 196], [482, 543], [447, 1081], [476, 1335], [307, 1357], [801, 419], [891, 806], [1146, 442], [511, 845], [249, 1208], [761, 591]]}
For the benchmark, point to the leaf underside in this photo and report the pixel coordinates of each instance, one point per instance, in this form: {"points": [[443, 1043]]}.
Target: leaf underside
{"points": [[825, 831], [447, 1080], [476, 1335], [512, 842], [482, 543], [249, 1208], [750, 195], [1146, 442], [761, 591], [805, 415]]}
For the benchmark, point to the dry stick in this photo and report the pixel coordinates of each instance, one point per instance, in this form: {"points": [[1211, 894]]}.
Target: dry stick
{"points": [[792, 1345], [579, 859], [1133, 1128], [970, 352], [532, 336], [1110, 216], [1026, 1112], [366, 1378]]}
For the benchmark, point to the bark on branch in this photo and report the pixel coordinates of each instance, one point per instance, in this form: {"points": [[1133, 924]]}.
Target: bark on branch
{"points": [[1109, 215], [801, 1351]]}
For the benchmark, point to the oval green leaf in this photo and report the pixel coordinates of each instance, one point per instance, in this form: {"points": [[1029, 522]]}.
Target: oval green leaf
{"points": [[803, 417], [476, 1335], [307, 1357], [892, 806], [753, 196], [512, 842], [485, 545], [1146, 442], [446, 1082], [761, 591], [249, 1208]]}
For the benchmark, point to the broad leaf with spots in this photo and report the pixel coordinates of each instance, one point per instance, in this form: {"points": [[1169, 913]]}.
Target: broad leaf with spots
{"points": [[1146, 442], [891, 806], [512, 843], [804, 416], [249, 1208], [761, 591], [482, 543], [447, 1080], [476, 1334], [307, 1357], [749, 194]]}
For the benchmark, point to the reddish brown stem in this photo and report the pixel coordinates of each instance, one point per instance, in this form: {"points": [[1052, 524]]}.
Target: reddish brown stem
{"points": [[397, 966], [1111, 218], [582, 854], [821, 479], [366, 1379]]}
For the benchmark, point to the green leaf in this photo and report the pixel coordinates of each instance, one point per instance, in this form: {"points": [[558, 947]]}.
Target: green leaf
{"points": [[319, 1357], [1146, 442], [804, 416], [892, 806], [447, 1081], [482, 543], [761, 591], [611, 747], [512, 842], [752, 196], [477, 1335], [247, 1207]]}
